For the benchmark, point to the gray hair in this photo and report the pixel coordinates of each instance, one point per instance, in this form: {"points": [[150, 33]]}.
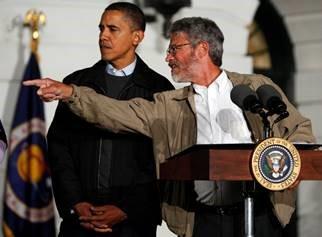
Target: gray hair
{"points": [[201, 29]]}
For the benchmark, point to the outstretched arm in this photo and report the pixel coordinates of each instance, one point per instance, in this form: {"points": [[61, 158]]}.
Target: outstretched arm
{"points": [[132, 116], [50, 89]]}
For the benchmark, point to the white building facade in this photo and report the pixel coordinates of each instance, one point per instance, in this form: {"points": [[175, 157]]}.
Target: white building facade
{"points": [[69, 41]]}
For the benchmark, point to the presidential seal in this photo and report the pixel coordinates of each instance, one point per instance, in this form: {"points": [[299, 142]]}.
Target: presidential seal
{"points": [[276, 164]]}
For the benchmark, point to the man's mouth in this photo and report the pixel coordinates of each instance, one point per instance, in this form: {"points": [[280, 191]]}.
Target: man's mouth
{"points": [[105, 45], [173, 65]]}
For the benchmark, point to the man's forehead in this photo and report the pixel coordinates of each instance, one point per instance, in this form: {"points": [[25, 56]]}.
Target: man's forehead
{"points": [[178, 37], [117, 18], [113, 15]]}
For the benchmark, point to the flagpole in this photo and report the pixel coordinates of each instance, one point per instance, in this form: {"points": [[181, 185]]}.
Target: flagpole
{"points": [[34, 20], [28, 209]]}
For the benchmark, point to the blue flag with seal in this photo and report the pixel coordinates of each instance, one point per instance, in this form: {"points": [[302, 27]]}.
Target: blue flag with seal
{"points": [[28, 209]]}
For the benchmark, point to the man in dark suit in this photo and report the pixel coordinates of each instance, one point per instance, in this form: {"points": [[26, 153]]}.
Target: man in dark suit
{"points": [[97, 173]]}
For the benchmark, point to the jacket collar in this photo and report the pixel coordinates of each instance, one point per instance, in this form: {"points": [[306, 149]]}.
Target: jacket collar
{"points": [[184, 93], [141, 75], [238, 79], [95, 76]]}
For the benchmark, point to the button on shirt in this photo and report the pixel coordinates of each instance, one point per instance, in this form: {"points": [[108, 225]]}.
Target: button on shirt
{"points": [[219, 121]]}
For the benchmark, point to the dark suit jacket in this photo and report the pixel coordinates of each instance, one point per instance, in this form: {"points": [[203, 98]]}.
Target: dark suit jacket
{"points": [[75, 146]]}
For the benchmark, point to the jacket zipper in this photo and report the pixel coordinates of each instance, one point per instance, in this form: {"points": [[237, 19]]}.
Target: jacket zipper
{"points": [[119, 97], [100, 141], [99, 163], [101, 90]]}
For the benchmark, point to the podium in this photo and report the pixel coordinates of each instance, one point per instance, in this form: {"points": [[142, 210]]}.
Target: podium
{"points": [[232, 162]]}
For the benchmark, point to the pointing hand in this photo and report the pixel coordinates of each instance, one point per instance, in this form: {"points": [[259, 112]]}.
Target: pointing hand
{"points": [[50, 89]]}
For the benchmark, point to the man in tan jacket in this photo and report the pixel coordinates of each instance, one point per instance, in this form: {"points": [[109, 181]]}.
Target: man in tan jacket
{"points": [[202, 113]]}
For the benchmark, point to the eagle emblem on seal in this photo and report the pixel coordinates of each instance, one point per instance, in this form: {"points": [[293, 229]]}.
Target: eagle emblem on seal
{"points": [[276, 163]]}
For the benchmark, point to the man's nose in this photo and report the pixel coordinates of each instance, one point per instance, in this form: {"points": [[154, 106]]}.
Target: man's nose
{"points": [[168, 57], [104, 34]]}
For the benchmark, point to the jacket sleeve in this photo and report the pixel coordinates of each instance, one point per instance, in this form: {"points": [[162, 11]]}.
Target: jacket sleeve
{"points": [[132, 116], [295, 128], [66, 184]]}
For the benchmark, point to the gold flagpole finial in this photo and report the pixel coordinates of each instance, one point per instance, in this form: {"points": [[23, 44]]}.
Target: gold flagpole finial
{"points": [[34, 19]]}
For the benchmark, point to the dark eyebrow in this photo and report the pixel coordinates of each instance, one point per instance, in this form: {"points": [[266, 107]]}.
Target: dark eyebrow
{"points": [[113, 26]]}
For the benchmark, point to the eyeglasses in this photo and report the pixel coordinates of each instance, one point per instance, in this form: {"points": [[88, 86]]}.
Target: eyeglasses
{"points": [[173, 48]]}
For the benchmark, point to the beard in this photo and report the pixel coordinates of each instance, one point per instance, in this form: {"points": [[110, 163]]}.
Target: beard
{"points": [[179, 78], [188, 73]]}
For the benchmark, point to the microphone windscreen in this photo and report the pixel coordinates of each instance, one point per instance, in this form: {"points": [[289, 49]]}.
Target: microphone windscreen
{"points": [[266, 93], [271, 99], [241, 94]]}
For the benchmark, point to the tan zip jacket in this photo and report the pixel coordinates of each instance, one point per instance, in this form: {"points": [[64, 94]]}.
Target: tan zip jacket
{"points": [[170, 120]]}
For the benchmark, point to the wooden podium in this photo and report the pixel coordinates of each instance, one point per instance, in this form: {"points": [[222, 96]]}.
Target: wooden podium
{"points": [[231, 162]]}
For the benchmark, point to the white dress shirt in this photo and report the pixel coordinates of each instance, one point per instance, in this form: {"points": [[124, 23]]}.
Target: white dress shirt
{"points": [[219, 121]]}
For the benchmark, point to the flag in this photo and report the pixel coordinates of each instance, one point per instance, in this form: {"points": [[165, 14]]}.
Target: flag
{"points": [[3, 142], [28, 209]]}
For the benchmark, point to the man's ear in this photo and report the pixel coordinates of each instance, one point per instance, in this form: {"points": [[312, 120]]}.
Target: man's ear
{"points": [[202, 49], [138, 36]]}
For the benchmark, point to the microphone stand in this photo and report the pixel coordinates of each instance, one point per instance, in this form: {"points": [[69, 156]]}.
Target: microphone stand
{"points": [[248, 191], [267, 132]]}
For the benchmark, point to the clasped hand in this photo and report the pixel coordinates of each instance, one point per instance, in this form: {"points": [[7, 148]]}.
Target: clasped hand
{"points": [[99, 218]]}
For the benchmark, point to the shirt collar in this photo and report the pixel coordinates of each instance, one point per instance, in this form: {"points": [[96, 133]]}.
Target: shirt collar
{"points": [[220, 83], [128, 70]]}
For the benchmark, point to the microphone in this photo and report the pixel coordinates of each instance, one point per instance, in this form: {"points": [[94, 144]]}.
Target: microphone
{"points": [[246, 98], [271, 99]]}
